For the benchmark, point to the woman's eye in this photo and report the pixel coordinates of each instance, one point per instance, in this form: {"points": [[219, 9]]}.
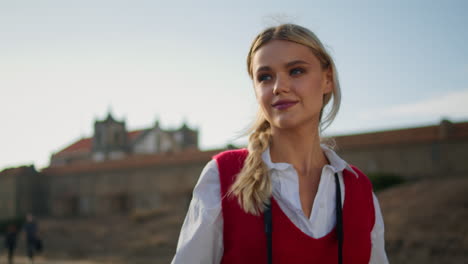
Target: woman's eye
{"points": [[296, 71], [264, 77]]}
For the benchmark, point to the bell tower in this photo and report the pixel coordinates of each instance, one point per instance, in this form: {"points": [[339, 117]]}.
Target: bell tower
{"points": [[110, 139]]}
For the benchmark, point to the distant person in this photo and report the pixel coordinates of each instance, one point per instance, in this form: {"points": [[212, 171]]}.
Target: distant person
{"points": [[288, 198], [10, 241], [33, 243]]}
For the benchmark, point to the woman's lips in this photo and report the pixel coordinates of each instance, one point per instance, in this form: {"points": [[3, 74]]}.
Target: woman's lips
{"points": [[283, 105]]}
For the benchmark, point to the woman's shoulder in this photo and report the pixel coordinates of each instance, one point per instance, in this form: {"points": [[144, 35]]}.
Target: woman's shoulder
{"points": [[361, 176], [358, 173], [232, 157], [231, 153], [230, 163]]}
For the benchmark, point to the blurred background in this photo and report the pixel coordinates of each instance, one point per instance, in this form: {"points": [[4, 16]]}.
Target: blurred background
{"points": [[110, 110]]}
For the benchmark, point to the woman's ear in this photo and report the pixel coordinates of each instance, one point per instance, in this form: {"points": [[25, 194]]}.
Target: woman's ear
{"points": [[328, 81]]}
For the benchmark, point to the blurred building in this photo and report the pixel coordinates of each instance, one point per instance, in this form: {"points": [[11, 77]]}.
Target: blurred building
{"points": [[112, 141], [22, 191]]}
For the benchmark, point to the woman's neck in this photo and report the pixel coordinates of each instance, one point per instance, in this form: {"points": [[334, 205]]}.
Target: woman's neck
{"points": [[299, 148]]}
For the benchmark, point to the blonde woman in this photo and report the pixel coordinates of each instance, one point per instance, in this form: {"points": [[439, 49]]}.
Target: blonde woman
{"points": [[287, 198]]}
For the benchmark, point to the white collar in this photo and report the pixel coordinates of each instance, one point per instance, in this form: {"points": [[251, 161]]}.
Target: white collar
{"points": [[337, 164]]}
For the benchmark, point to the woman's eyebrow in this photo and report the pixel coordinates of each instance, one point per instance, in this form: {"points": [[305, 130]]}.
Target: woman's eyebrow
{"points": [[287, 65], [295, 62], [263, 68]]}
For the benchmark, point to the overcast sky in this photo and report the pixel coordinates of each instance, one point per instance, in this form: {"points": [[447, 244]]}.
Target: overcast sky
{"points": [[64, 64]]}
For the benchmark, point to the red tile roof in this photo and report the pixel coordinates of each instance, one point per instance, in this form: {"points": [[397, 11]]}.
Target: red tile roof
{"points": [[132, 135], [85, 144], [82, 145]]}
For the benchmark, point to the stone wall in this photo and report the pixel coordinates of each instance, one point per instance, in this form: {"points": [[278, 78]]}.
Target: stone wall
{"points": [[98, 191], [412, 160], [165, 181], [432, 151]]}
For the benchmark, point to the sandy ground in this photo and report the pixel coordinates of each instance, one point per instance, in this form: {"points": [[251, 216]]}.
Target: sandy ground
{"points": [[426, 222]]}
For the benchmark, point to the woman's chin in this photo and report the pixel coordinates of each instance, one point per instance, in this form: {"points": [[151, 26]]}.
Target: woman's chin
{"points": [[293, 124], [285, 124]]}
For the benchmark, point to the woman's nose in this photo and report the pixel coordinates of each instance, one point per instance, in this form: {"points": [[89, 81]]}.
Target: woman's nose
{"points": [[282, 85]]}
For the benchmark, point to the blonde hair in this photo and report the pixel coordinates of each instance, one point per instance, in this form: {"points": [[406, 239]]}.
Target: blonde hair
{"points": [[252, 185]]}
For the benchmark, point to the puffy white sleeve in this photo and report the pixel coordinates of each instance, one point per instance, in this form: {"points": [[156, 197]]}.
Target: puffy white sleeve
{"points": [[378, 255], [201, 236]]}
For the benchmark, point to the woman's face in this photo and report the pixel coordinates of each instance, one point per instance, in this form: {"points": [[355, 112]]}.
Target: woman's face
{"points": [[289, 84]]}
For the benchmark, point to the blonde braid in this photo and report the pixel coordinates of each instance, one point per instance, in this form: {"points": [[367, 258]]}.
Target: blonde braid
{"points": [[252, 185]]}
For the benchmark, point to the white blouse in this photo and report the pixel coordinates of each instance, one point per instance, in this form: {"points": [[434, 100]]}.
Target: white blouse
{"points": [[201, 236]]}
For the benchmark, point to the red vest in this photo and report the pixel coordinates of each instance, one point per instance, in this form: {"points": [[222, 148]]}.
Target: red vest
{"points": [[244, 236]]}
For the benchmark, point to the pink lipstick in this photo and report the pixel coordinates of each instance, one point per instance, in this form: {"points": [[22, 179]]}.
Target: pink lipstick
{"points": [[284, 104]]}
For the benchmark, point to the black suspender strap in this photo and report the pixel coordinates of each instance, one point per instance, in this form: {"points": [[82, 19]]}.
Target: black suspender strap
{"points": [[268, 221], [268, 229], [339, 220]]}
